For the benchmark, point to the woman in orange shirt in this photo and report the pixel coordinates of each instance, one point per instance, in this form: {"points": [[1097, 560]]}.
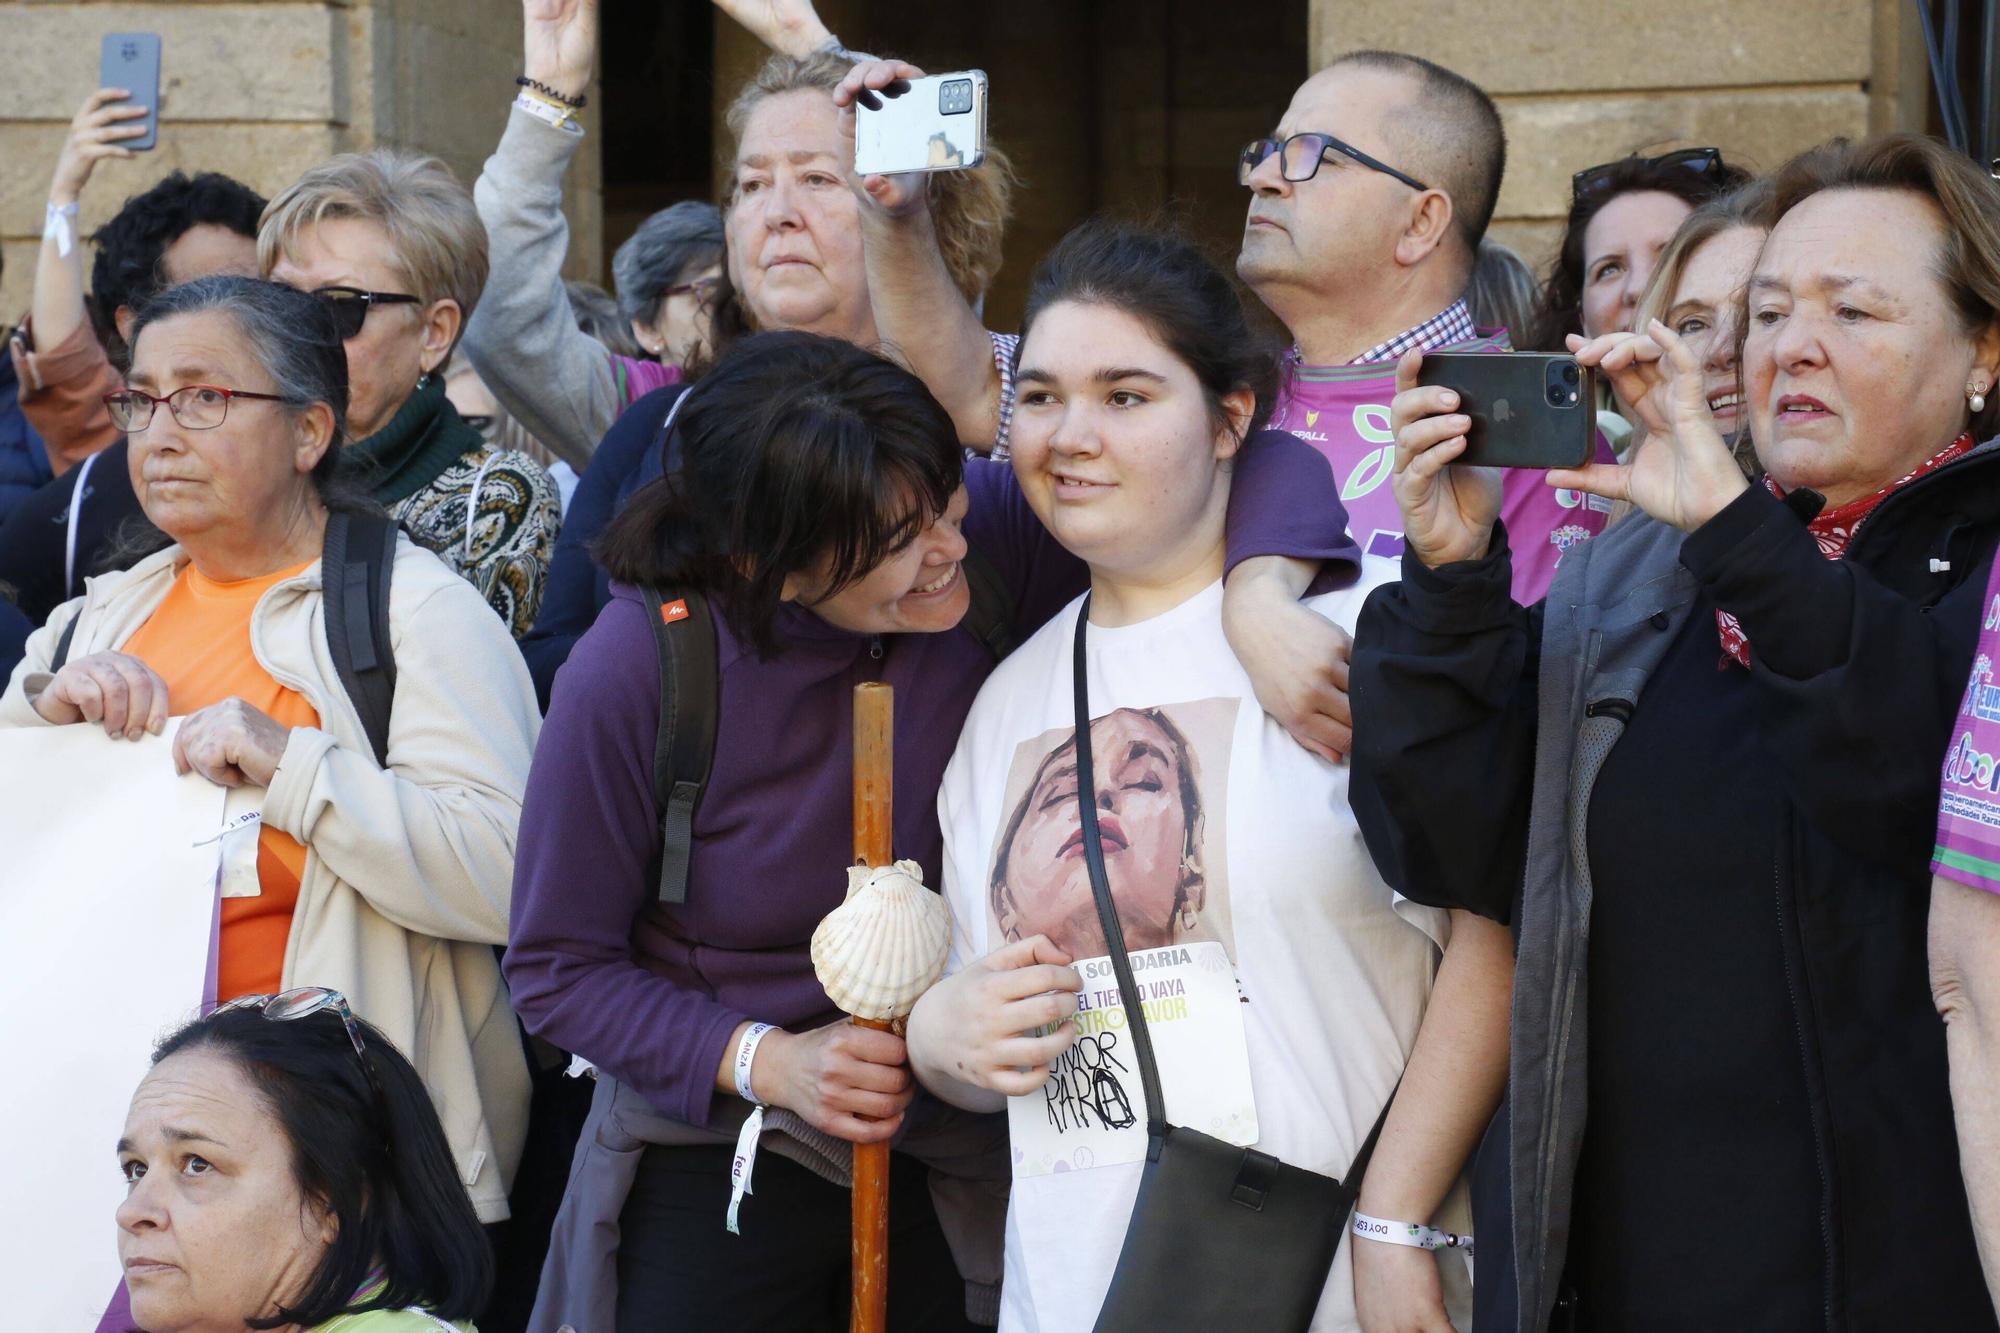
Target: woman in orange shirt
{"points": [[386, 881]]}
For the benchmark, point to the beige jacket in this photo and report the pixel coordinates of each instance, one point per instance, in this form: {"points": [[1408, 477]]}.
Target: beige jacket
{"points": [[408, 871]]}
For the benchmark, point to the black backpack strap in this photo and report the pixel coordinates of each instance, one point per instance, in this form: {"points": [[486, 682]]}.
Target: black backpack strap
{"points": [[62, 644], [991, 616], [357, 564], [684, 749]]}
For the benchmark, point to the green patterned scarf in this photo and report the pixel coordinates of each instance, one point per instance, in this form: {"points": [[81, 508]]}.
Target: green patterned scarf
{"points": [[425, 437]]}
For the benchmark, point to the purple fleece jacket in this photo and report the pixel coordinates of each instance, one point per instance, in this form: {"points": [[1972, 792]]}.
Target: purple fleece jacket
{"points": [[650, 994]]}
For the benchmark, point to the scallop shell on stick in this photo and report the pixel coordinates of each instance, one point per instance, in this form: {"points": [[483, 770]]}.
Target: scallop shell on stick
{"points": [[885, 946]]}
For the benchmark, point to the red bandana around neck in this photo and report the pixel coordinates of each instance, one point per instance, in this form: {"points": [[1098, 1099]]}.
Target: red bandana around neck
{"points": [[1833, 529]]}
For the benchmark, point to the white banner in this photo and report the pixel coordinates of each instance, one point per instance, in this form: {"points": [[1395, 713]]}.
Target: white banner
{"points": [[107, 898]]}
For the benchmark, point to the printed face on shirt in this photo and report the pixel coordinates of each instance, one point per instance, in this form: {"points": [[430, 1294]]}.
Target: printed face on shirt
{"points": [[793, 222], [921, 589], [1621, 247], [1856, 363], [217, 486], [1704, 309], [1115, 445], [213, 1228], [1150, 802], [1333, 237]]}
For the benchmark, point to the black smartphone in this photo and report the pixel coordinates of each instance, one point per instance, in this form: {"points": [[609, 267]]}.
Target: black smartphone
{"points": [[131, 60], [1528, 409]]}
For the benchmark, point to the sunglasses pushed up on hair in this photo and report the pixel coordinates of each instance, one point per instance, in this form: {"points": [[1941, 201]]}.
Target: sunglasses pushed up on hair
{"points": [[1704, 163]]}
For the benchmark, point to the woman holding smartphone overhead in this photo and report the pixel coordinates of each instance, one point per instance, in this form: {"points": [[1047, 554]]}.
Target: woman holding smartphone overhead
{"points": [[1701, 778]]}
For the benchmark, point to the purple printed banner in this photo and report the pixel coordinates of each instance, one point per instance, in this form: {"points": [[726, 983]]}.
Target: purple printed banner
{"points": [[1968, 837]]}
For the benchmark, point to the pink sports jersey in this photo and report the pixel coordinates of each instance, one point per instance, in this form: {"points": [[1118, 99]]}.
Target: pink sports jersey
{"points": [[1343, 411], [1968, 836]]}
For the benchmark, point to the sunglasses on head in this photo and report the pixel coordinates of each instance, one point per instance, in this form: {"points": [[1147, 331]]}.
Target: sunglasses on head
{"points": [[1705, 163], [303, 1002], [349, 306]]}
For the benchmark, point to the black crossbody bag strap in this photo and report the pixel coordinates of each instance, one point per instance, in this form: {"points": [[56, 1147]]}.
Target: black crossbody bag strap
{"points": [[1107, 910], [1220, 1236]]}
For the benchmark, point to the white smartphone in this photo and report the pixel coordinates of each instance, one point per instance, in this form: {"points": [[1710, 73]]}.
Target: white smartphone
{"points": [[938, 125]]}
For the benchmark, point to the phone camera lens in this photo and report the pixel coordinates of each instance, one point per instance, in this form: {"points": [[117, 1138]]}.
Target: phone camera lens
{"points": [[1571, 374], [1559, 397]]}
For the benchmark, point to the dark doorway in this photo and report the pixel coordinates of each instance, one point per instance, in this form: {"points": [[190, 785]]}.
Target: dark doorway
{"points": [[1135, 107]]}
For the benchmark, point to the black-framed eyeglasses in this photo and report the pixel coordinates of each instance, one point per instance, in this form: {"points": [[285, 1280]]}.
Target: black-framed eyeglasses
{"points": [[349, 306], [1704, 163], [195, 406], [303, 1002], [1300, 155]]}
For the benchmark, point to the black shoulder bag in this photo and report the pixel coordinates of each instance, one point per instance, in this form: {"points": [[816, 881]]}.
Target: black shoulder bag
{"points": [[1220, 1236]]}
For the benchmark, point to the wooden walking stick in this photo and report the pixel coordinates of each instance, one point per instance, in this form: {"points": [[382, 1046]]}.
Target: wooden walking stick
{"points": [[875, 954], [874, 838]]}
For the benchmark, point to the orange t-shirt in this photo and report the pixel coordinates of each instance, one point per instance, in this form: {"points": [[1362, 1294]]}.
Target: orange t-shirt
{"points": [[198, 639]]}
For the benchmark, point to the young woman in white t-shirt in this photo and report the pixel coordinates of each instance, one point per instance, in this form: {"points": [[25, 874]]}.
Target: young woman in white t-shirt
{"points": [[1288, 989]]}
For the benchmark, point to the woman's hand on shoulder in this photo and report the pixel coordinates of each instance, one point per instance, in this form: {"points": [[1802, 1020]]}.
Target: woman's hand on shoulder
{"points": [[977, 1027], [116, 690], [1681, 472], [231, 744], [1396, 1289], [1296, 658], [1448, 512], [845, 1079]]}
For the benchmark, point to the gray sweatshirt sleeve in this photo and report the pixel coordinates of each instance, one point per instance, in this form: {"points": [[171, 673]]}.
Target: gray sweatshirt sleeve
{"points": [[555, 379]]}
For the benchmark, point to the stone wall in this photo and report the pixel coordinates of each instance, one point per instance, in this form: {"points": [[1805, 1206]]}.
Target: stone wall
{"points": [[1583, 85], [261, 90]]}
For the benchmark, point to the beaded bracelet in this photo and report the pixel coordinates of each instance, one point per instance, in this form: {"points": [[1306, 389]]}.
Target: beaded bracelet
{"points": [[576, 103]]}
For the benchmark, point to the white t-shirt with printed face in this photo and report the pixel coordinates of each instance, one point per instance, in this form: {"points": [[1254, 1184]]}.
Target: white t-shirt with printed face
{"points": [[1217, 827]]}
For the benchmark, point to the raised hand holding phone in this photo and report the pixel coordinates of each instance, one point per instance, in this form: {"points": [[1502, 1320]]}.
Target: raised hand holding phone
{"points": [[898, 194], [104, 125], [1683, 473], [1448, 511]]}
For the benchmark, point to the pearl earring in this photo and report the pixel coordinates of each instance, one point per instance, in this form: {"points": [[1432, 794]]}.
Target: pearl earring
{"points": [[1976, 400]]}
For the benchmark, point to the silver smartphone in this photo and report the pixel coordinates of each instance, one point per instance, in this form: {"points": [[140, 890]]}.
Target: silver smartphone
{"points": [[131, 60], [939, 124]]}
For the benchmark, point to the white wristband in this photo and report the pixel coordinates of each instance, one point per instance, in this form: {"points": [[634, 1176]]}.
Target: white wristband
{"points": [[745, 1160], [746, 1054], [59, 225], [1409, 1233], [544, 110]]}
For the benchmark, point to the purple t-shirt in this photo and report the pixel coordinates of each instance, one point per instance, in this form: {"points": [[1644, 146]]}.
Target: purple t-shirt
{"points": [[1343, 411], [1968, 835]]}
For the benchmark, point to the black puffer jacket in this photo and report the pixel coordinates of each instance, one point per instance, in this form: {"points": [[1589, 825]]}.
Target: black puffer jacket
{"points": [[1480, 729]]}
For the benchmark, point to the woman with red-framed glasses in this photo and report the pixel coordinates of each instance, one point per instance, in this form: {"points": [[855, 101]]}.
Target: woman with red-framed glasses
{"points": [[381, 858]]}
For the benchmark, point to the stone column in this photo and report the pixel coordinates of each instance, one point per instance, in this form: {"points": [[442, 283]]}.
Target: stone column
{"points": [[1583, 85], [260, 91]]}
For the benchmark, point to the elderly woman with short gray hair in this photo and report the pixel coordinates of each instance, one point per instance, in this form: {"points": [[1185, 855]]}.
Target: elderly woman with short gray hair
{"points": [[384, 860]]}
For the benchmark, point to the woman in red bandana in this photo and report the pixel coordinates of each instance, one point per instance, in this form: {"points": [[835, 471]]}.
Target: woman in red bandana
{"points": [[1700, 780]]}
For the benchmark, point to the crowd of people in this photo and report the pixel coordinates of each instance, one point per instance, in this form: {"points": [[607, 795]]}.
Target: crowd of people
{"points": [[1600, 864]]}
